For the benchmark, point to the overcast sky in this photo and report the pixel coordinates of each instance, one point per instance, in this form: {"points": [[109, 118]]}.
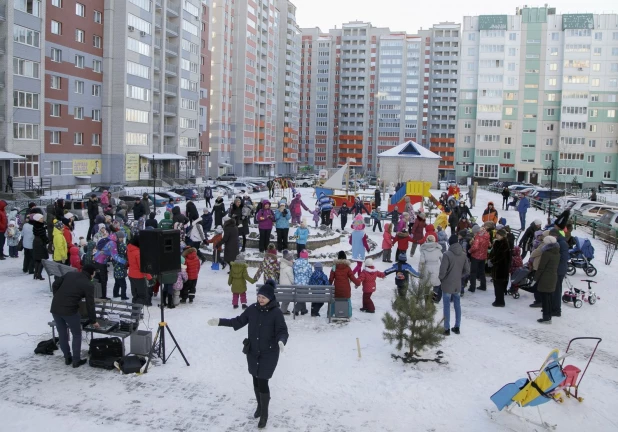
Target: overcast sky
{"points": [[410, 16]]}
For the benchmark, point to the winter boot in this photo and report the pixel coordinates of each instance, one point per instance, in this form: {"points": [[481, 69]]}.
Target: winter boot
{"points": [[264, 399], [164, 300], [170, 301], [258, 411]]}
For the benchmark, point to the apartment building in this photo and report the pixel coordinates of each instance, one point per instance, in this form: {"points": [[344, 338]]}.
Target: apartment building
{"points": [[440, 92], [538, 87], [202, 155], [288, 94]]}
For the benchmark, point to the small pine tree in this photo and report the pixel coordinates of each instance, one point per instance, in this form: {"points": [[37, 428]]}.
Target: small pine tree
{"points": [[413, 325]]}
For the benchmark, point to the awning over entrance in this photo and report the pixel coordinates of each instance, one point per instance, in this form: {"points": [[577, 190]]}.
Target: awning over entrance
{"points": [[162, 156], [225, 165], [83, 177], [10, 156], [609, 183]]}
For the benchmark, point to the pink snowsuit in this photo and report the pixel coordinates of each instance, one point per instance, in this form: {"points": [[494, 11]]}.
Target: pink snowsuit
{"points": [[295, 209]]}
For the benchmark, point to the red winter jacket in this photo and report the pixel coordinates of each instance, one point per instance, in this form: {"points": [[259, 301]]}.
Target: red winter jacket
{"points": [[480, 246], [430, 230], [3, 219], [387, 239], [368, 278], [74, 258], [133, 258], [192, 263], [342, 274], [68, 236], [402, 239], [418, 235]]}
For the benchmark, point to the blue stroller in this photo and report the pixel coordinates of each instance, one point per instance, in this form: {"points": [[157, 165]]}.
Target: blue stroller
{"points": [[581, 256]]}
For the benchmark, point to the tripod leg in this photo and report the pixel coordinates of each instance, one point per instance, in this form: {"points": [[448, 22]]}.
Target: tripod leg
{"points": [[154, 342], [177, 346]]}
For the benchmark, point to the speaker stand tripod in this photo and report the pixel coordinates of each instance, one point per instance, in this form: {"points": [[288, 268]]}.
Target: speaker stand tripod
{"points": [[160, 339]]}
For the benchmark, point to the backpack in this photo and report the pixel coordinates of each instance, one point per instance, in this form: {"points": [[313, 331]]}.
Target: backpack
{"points": [[47, 347]]}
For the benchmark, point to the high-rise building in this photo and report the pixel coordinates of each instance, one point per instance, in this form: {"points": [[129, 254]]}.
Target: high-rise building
{"points": [[288, 94], [538, 87]]}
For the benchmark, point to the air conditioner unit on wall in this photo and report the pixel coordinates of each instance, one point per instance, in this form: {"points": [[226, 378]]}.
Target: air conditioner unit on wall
{"points": [[131, 28], [142, 33]]}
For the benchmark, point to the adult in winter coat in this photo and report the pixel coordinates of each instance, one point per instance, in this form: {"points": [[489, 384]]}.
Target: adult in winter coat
{"points": [[453, 221], [3, 227], [208, 196], [431, 257], [266, 219], [229, 241], [267, 336], [546, 276], [286, 275], [93, 211], [394, 216], [269, 267], [463, 209], [282, 225], [166, 223], [359, 207], [191, 212], [377, 194], [296, 206], [139, 287], [341, 275], [240, 212], [500, 258], [27, 239], [138, 209], [490, 214], [59, 209], [453, 267], [525, 242], [326, 204], [39, 245], [418, 232], [60, 244], [522, 208], [302, 274], [68, 291], [556, 303], [479, 246], [367, 278], [219, 211], [146, 203], [505, 197], [152, 221]]}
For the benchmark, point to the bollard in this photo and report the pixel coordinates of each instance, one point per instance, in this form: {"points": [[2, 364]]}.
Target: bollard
{"points": [[358, 348]]}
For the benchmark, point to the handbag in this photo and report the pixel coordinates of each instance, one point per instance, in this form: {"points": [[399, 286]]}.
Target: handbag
{"points": [[20, 245]]}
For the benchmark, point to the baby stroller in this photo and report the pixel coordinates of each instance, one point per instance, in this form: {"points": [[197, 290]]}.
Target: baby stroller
{"points": [[521, 279], [581, 256]]}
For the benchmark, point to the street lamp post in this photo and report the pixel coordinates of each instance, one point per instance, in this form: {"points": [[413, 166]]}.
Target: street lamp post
{"points": [[551, 183]]}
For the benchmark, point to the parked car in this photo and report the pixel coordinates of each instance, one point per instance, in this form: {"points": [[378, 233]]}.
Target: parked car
{"points": [[244, 186], [227, 177], [544, 193], [160, 201], [172, 195], [578, 205], [188, 193], [608, 224], [568, 201], [129, 200], [116, 189], [222, 189], [593, 211], [23, 212]]}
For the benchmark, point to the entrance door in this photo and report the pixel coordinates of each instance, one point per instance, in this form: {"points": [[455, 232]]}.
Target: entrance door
{"points": [[521, 176], [534, 178]]}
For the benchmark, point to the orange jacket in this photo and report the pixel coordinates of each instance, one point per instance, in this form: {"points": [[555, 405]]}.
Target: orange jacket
{"points": [[133, 256]]}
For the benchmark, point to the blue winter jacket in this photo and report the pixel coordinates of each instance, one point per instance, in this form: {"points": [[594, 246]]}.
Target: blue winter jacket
{"points": [[282, 221], [302, 234], [564, 256], [523, 205], [325, 203], [302, 271], [318, 278]]}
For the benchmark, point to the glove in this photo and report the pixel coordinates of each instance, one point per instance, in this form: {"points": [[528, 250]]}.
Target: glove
{"points": [[213, 322], [281, 347]]}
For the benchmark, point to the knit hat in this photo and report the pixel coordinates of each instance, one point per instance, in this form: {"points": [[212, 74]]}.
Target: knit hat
{"points": [[489, 225], [431, 239], [82, 241], [304, 254], [121, 234], [499, 226], [225, 219], [549, 240], [59, 225], [562, 219], [475, 229], [271, 249], [439, 227], [287, 255], [402, 257], [369, 262], [268, 290], [219, 230], [167, 215], [421, 215], [452, 240], [37, 217], [341, 255], [318, 266], [501, 232], [358, 224], [69, 215], [538, 222], [240, 258]]}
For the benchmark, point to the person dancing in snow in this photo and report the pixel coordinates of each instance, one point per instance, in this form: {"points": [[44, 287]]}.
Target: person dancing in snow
{"points": [[358, 240]]}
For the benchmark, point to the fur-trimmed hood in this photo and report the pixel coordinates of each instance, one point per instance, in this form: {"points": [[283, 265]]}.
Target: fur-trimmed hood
{"points": [[189, 251], [337, 262]]}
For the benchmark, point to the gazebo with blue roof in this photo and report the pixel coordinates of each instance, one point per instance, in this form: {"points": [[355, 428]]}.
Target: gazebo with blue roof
{"points": [[409, 161]]}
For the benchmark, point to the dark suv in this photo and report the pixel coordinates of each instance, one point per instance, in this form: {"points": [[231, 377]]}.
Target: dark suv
{"points": [[227, 177]]}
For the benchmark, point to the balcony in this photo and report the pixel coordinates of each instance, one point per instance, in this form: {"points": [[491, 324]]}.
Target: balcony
{"points": [[170, 148], [158, 23], [172, 50], [171, 89], [2, 113], [170, 130], [2, 13], [173, 9], [171, 28], [2, 76], [171, 69], [156, 88], [170, 110], [156, 128], [157, 43], [155, 108]]}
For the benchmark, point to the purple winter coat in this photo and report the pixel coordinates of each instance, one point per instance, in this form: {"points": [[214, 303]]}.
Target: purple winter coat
{"points": [[266, 219]]}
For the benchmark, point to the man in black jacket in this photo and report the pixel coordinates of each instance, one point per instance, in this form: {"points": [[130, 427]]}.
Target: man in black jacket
{"points": [[191, 211], [93, 211], [69, 290], [138, 209], [525, 242]]}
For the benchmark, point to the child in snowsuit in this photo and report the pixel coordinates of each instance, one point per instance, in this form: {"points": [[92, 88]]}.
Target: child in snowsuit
{"points": [[376, 220], [270, 266], [238, 281], [402, 271], [216, 251], [60, 243], [206, 220], [340, 276], [344, 211], [402, 239], [193, 269], [358, 240], [120, 269], [12, 239], [302, 274], [333, 215], [318, 277], [368, 279], [302, 235], [387, 242], [74, 258], [516, 260], [442, 238], [316, 216], [178, 285]]}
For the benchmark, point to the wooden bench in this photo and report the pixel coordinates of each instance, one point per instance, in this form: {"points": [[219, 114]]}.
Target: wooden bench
{"points": [[129, 315], [307, 294], [516, 233], [55, 269]]}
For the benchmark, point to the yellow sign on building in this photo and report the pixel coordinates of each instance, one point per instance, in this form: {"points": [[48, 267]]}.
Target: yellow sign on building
{"points": [[86, 167], [131, 166]]}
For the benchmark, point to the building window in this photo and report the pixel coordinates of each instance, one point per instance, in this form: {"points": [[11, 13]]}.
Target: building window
{"points": [[96, 139], [549, 141], [96, 41], [96, 90], [611, 113], [32, 7], [25, 131], [144, 4], [80, 36], [592, 143], [506, 170], [138, 116], [80, 10], [466, 154], [589, 174], [96, 115], [78, 138], [138, 70], [139, 24], [26, 68], [97, 17], [57, 3], [54, 137], [56, 168], [78, 113], [79, 87], [24, 99], [139, 93], [56, 55], [590, 158], [55, 110], [26, 36], [79, 61], [96, 66], [56, 82], [134, 138], [56, 27]]}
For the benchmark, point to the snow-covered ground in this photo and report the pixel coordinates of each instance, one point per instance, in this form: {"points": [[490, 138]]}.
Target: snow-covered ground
{"points": [[320, 384]]}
